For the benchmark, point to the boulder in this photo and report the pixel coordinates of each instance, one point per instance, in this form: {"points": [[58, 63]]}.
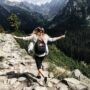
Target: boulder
{"points": [[74, 84], [76, 74]]}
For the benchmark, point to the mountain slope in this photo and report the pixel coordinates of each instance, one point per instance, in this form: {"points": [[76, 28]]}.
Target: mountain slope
{"points": [[18, 70], [73, 20], [48, 10], [72, 16], [3, 17], [29, 20]]}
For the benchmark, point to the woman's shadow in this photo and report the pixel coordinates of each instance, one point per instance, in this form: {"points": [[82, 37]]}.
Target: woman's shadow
{"points": [[29, 77]]}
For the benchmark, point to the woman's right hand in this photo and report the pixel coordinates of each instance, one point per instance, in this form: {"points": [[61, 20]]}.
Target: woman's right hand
{"points": [[15, 36], [63, 36]]}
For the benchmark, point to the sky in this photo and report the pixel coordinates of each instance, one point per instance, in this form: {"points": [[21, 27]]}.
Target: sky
{"points": [[38, 2]]}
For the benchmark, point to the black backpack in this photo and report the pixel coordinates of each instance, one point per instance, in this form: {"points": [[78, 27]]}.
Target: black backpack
{"points": [[40, 47]]}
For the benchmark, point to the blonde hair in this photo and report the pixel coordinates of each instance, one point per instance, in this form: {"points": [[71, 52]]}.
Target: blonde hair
{"points": [[38, 29]]}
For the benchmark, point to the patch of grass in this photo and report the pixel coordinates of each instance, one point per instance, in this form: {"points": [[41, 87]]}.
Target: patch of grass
{"points": [[23, 44], [58, 72]]}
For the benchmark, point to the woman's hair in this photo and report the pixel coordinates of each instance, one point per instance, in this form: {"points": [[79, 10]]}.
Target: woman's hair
{"points": [[38, 29]]}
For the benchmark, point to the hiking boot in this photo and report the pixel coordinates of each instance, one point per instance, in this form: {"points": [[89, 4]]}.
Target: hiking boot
{"points": [[39, 77], [45, 80]]}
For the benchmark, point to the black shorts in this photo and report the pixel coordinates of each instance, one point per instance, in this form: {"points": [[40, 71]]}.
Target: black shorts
{"points": [[38, 61]]}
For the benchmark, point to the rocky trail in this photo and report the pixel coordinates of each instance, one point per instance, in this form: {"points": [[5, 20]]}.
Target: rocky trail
{"points": [[18, 71]]}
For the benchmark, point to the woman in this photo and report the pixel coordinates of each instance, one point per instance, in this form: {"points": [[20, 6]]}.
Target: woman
{"points": [[40, 40]]}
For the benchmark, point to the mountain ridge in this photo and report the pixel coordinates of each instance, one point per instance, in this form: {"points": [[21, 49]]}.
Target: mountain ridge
{"points": [[27, 18], [44, 9]]}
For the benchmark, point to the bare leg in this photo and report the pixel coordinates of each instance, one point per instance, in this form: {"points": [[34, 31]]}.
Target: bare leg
{"points": [[40, 72]]}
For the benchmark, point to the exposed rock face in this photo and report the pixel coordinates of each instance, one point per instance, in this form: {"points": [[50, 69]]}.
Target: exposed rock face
{"points": [[18, 71]]}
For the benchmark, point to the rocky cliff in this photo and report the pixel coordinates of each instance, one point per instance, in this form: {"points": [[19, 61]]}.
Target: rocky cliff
{"points": [[18, 71]]}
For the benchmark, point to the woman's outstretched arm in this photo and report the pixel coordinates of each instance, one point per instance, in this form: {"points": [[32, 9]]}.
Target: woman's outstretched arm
{"points": [[24, 38], [55, 38]]}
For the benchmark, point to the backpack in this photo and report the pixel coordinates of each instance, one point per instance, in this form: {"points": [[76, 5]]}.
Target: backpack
{"points": [[40, 47]]}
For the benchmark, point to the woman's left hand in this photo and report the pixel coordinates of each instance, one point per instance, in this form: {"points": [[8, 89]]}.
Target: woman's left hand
{"points": [[63, 36], [15, 36]]}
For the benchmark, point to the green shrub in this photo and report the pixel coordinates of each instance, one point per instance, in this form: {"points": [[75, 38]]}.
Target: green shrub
{"points": [[1, 29]]}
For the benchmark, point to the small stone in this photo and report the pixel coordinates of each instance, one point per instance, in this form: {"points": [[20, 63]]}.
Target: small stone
{"points": [[21, 79], [51, 75], [41, 83], [49, 84]]}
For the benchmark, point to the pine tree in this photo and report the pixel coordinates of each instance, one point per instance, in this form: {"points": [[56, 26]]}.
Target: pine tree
{"points": [[14, 22]]}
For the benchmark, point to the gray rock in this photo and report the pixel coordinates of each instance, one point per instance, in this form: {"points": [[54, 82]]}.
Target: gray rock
{"points": [[12, 81], [41, 83], [51, 75], [55, 81], [81, 87], [76, 74], [4, 66], [74, 84], [21, 79], [62, 86], [49, 84]]}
